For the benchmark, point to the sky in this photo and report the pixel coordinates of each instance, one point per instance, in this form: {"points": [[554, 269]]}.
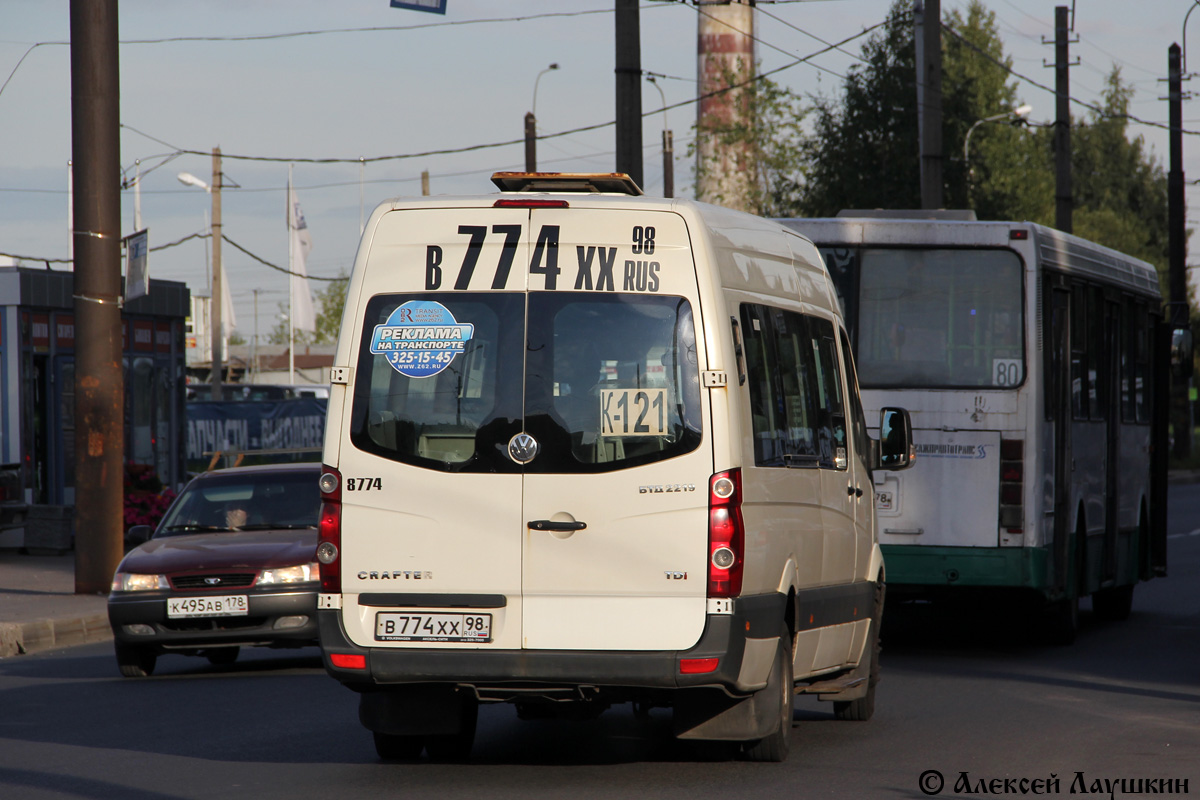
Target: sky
{"points": [[279, 83]]}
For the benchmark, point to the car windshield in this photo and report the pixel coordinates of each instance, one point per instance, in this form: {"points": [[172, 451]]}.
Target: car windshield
{"points": [[245, 501]]}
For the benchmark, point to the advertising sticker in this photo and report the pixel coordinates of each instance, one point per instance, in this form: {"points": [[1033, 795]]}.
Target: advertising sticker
{"points": [[421, 338]]}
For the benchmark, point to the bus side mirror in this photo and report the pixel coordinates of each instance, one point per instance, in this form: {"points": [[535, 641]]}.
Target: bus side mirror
{"points": [[896, 448], [1181, 354]]}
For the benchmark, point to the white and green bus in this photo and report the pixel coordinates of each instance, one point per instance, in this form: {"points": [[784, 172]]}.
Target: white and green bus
{"points": [[1034, 365]]}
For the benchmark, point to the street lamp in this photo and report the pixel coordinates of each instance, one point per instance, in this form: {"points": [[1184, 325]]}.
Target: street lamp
{"points": [[531, 124], [216, 332], [668, 145], [1018, 114]]}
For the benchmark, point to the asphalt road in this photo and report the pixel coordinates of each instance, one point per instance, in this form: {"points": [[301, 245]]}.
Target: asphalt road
{"points": [[960, 694]]}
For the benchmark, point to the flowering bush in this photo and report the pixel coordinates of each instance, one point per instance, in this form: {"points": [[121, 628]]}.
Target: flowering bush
{"points": [[146, 500]]}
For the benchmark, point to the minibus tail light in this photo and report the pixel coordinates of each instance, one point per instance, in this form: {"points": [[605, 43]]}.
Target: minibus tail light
{"points": [[726, 534], [329, 541], [513, 202]]}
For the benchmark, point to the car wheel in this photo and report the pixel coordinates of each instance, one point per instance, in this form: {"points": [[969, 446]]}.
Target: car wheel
{"points": [[456, 746], [134, 661], [860, 710], [390, 747], [222, 655], [774, 746]]}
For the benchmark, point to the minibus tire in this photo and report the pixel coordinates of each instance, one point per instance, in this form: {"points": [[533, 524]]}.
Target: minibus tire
{"points": [[390, 747], [863, 708], [774, 746], [456, 746]]}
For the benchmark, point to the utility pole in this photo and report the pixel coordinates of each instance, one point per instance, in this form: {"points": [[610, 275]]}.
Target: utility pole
{"points": [[927, 18], [629, 89], [99, 382], [1063, 202], [218, 332], [1177, 245], [668, 149], [725, 173], [530, 142]]}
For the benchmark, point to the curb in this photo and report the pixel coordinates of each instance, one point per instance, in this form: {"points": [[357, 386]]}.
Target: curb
{"points": [[17, 638]]}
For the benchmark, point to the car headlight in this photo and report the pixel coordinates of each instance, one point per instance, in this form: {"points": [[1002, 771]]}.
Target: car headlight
{"points": [[301, 573], [138, 582]]}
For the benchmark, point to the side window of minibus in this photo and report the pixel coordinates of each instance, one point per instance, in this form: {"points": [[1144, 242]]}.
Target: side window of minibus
{"points": [[762, 383], [832, 408], [858, 423]]}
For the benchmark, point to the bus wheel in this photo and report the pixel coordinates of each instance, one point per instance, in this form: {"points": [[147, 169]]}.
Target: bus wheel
{"points": [[774, 746], [1113, 604], [1060, 621]]}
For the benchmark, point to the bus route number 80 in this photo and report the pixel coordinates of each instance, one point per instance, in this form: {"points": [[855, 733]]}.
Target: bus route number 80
{"points": [[1006, 371]]}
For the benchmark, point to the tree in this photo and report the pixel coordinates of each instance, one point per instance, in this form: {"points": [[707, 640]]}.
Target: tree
{"points": [[863, 151], [1119, 189], [331, 301], [1008, 172]]}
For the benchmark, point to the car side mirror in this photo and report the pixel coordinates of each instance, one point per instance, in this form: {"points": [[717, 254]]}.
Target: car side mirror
{"points": [[1181, 354], [896, 448], [138, 534]]}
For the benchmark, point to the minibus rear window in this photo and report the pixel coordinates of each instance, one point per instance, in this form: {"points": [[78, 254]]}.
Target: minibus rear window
{"points": [[611, 380], [602, 382]]}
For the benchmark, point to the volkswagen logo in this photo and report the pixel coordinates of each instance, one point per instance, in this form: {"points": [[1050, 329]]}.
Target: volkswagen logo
{"points": [[522, 448], [212, 581]]}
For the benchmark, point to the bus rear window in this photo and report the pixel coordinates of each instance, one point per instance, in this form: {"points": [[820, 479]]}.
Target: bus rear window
{"points": [[940, 318]]}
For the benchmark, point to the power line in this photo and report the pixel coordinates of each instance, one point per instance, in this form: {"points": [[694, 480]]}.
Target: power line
{"points": [[1090, 106], [322, 32], [176, 243], [492, 145]]}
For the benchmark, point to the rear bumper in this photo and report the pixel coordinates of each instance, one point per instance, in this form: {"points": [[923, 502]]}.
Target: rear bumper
{"points": [[725, 638], [916, 566]]}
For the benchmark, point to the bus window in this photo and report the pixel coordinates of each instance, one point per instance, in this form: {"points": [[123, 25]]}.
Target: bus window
{"points": [[940, 318], [1080, 389]]}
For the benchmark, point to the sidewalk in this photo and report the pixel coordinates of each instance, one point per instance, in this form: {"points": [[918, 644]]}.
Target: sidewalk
{"points": [[39, 608]]}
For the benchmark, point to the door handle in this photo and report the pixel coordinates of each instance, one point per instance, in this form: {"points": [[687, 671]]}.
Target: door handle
{"points": [[854, 490], [551, 525]]}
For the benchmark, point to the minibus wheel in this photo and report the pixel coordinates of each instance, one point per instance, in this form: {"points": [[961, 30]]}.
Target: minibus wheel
{"points": [[774, 746]]}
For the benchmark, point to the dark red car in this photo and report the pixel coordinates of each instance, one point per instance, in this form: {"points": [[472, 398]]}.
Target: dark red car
{"points": [[231, 565]]}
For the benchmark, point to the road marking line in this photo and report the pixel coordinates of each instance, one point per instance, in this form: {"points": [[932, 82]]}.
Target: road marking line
{"points": [[1183, 535]]}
